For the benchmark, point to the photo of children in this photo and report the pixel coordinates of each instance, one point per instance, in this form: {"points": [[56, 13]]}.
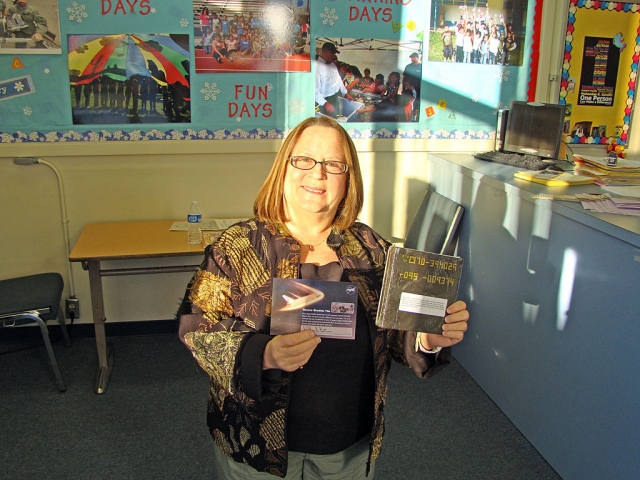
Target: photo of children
{"points": [[129, 78], [29, 26], [368, 80], [251, 36], [487, 33]]}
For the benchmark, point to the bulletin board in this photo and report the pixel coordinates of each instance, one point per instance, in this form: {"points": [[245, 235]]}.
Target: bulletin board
{"points": [[599, 72], [71, 86]]}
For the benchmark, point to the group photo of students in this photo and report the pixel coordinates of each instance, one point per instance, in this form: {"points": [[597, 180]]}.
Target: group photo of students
{"points": [[275, 38], [478, 36]]}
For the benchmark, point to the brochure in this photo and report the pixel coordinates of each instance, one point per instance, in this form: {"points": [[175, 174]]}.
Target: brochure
{"points": [[327, 308]]}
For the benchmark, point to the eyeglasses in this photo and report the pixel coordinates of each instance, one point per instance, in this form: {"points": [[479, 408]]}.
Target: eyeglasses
{"points": [[330, 166]]}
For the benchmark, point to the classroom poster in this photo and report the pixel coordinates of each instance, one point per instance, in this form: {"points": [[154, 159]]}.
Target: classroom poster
{"points": [[600, 62], [179, 89], [599, 73]]}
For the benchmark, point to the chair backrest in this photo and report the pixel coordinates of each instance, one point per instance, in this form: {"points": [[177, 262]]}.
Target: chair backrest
{"points": [[435, 226]]}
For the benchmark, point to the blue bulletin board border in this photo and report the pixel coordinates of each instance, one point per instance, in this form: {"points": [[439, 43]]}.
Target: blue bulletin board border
{"points": [[238, 134]]}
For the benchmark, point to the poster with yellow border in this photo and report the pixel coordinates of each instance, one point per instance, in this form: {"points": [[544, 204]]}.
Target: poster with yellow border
{"points": [[599, 71]]}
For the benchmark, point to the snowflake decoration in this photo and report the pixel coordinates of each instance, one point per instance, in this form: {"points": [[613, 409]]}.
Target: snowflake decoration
{"points": [[296, 107], [475, 99], [76, 12], [500, 106], [269, 86], [502, 75], [27, 110], [210, 91], [184, 23], [329, 16], [19, 86]]}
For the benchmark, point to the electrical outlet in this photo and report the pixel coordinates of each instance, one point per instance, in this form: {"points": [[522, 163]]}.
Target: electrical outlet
{"points": [[73, 305]]}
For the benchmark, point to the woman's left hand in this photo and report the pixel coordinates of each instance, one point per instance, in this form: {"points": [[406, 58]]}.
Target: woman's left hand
{"points": [[455, 324]]}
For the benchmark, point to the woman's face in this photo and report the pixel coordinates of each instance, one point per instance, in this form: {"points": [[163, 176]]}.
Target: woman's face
{"points": [[315, 191]]}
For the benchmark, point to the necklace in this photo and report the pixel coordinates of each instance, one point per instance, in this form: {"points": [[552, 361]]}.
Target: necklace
{"points": [[313, 247], [309, 245]]}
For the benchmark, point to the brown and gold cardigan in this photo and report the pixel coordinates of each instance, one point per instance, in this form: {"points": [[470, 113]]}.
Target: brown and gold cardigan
{"points": [[224, 320]]}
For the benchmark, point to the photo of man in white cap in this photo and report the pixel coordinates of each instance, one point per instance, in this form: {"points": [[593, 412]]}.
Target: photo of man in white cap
{"points": [[329, 85]]}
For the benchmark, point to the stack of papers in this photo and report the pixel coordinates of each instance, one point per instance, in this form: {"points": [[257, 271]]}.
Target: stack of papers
{"points": [[626, 191], [620, 206], [553, 178], [624, 172]]}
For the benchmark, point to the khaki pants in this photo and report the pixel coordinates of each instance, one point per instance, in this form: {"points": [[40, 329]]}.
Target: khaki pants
{"points": [[350, 464]]}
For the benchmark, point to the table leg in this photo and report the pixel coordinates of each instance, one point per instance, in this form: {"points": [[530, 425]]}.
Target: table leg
{"points": [[105, 352]]}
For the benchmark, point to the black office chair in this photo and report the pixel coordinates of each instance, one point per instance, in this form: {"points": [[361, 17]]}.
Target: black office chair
{"points": [[34, 300], [435, 227]]}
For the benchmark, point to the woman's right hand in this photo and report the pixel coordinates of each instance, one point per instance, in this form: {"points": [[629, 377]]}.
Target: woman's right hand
{"points": [[291, 351]]}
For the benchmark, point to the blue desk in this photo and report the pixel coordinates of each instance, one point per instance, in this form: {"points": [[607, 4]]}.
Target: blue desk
{"points": [[554, 296]]}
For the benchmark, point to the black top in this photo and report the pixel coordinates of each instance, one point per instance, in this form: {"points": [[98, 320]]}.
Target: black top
{"points": [[332, 398]]}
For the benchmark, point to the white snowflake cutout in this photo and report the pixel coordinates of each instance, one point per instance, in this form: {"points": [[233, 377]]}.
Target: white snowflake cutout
{"points": [[502, 75], [329, 16], [296, 107], [77, 12], [210, 91]]}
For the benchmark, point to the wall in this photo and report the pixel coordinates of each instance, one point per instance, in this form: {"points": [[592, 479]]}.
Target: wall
{"points": [[131, 181]]}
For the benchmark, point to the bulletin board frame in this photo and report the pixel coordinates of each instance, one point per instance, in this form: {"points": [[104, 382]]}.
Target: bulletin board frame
{"points": [[595, 29]]}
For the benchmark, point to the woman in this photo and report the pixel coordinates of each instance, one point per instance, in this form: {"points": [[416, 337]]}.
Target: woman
{"points": [[282, 404], [205, 20], [366, 80]]}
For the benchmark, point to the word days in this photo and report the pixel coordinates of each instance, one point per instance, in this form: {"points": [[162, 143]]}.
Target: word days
{"points": [[373, 13], [254, 107], [125, 6]]}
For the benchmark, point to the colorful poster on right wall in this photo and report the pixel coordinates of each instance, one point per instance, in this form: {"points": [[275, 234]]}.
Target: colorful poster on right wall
{"points": [[598, 85]]}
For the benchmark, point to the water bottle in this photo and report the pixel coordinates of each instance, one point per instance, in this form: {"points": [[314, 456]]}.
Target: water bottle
{"points": [[194, 218]]}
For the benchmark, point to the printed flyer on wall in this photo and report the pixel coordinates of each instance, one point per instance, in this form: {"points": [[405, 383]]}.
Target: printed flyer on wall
{"points": [[327, 308]]}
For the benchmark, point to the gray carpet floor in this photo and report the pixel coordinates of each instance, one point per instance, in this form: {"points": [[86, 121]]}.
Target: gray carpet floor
{"points": [[150, 424]]}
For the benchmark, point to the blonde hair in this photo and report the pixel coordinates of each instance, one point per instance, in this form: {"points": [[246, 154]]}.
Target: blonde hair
{"points": [[269, 204]]}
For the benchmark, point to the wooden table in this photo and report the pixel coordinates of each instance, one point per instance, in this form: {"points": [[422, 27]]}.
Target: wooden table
{"points": [[124, 241]]}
